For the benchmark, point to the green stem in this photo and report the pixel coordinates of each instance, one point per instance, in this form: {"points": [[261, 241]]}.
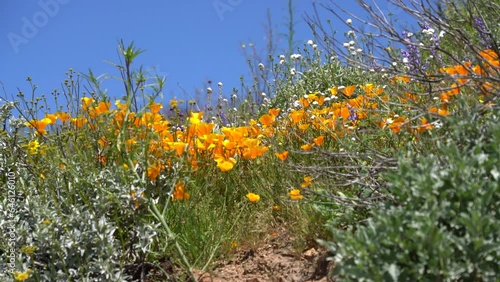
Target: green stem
{"points": [[158, 215]]}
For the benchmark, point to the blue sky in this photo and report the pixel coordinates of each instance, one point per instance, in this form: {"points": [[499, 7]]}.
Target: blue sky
{"points": [[190, 42]]}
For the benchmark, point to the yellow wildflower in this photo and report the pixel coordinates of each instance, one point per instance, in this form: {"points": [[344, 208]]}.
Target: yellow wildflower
{"points": [[21, 276], [174, 104], [29, 250]]}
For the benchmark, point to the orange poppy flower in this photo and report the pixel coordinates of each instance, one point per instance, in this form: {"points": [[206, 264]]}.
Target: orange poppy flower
{"points": [[319, 140], [349, 90], [295, 194], [274, 112], [266, 119], [282, 156], [253, 198], [224, 164], [179, 192]]}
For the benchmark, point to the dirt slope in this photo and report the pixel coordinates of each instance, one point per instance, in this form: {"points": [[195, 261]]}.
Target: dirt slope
{"points": [[274, 260]]}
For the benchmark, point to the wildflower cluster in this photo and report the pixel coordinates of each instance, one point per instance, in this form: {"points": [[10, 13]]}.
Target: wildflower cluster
{"points": [[323, 134], [411, 56], [315, 118], [483, 32]]}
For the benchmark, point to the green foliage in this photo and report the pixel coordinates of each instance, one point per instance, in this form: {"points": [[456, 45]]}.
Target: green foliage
{"points": [[445, 222]]}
